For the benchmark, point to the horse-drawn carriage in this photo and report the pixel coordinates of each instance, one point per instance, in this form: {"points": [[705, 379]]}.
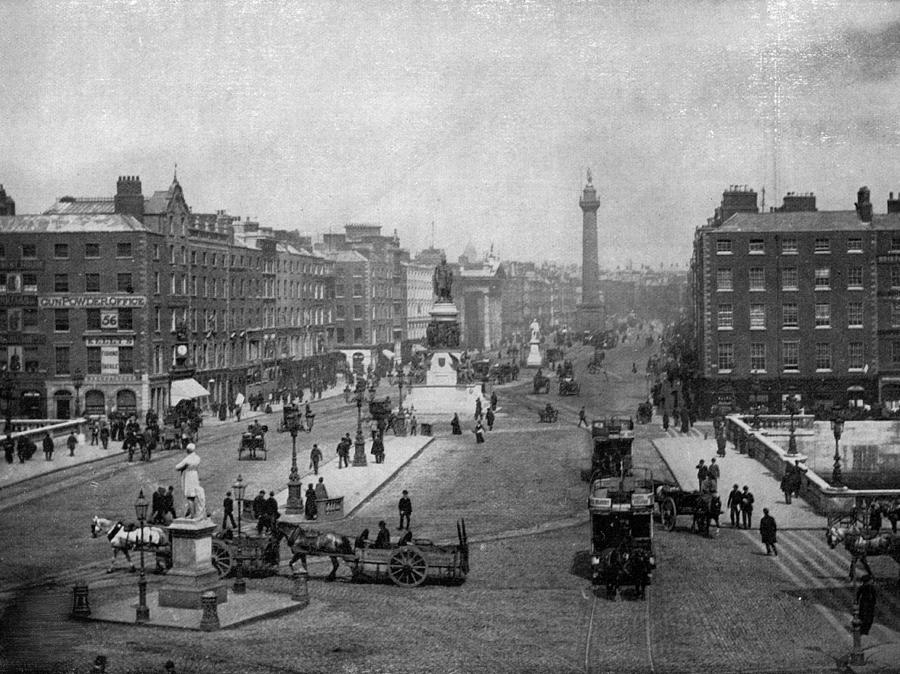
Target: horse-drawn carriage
{"points": [[292, 416], [645, 412], [548, 415], [540, 383], [568, 386], [253, 442], [503, 373], [857, 522], [611, 453], [407, 564], [257, 555], [672, 501], [554, 355], [621, 510], [596, 362]]}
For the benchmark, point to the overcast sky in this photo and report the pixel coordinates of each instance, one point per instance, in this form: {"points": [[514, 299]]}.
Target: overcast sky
{"points": [[481, 116]]}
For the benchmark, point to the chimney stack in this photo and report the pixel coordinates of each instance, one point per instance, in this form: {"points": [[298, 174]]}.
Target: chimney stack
{"points": [[129, 198], [863, 205], [893, 205]]}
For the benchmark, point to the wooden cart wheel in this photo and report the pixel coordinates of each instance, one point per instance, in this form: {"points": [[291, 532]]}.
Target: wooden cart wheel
{"points": [[407, 567], [669, 514], [221, 558]]}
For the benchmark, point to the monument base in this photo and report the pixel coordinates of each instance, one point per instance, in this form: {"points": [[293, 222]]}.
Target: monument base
{"points": [[440, 371], [534, 355], [590, 317], [445, 400], [192, 572]]}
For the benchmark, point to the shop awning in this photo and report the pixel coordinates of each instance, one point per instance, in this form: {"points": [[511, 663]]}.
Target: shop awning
{"points": [[185, 389]]}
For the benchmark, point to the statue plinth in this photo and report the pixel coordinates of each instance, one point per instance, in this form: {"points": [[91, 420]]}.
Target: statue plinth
{"points": [[534, 354], [192, 572]]}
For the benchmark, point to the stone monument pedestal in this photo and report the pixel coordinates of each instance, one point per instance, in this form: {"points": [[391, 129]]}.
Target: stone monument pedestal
{"points": [[192, 572], [534, 355]]}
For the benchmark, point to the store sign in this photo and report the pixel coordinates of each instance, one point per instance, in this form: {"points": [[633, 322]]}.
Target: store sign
{"points": [[110, 379], [889, 259], [18, 300], [109, 341], [22, 338], [83, 302], [109, 319], [109, 360]]}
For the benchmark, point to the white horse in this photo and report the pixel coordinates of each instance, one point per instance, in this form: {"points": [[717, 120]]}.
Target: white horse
{"points": [[860, 547], [123, 539]]}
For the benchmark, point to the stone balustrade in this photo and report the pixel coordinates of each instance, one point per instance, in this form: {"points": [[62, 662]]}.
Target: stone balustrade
{"points": [[35, 428]]}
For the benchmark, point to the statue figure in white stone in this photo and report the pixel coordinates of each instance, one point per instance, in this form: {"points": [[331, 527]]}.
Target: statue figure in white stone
{"points": [[535, 331], [194, 494]]}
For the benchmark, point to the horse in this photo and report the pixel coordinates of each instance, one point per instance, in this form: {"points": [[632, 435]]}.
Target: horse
{"points": [[703, 514], [303, 542], [612, 563], [122, 538], [861, 547], [636, 569]]}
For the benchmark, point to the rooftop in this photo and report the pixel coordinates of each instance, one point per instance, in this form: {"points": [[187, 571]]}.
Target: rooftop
{"points": [[806, 221], [70, 223]]}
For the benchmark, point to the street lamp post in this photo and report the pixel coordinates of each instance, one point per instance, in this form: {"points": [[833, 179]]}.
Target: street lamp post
{"points": [[143, 611], [837, 427], [6, 392], [77, 381], [239, 487], [401, 377], [792, 410], [359, 396], [295, 485]]}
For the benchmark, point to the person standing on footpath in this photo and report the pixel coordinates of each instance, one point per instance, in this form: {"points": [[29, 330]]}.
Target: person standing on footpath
{"points": [[454, 424], [489, 417], [702, 472], [767, 531], [582, 418], [272, 513], [228, 509], [311, 509], [665, 420], [866, 596], [170, 502], [259, 511], [493, 400], [104, 435], [9, 447], [734, 506], [71, 443], [413, 425], [479, 433], [343, 453], [95, 432], [746, 507], [713, 473], [321, 491], [48, 447], [405, 508], [315, 456]]}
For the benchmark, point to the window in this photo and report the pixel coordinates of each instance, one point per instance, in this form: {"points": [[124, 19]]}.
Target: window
{"points": [[123, 283], [92, 283], [126, 319], [789, 246], [854, 314], [172, 256], [789, 316], [340, 311], [94, 365], [823, 356], [157, 319], [94, 319], [823, 315], [357, 312], [789, 278], [757, 278], [61, 251], [357, 290], [855, 356], [62, 360], [193, 257], [854, 277], [123, 249], [823, 278], [29, 282], [724, 279], [357, 335], [339, 335], [2, 251], [895, 276], [725, 357], [29, 251], [173, 289], [156, 282], [758, 357], [822, 246], [30, 319], [126, 360], [790, 356], [61, 320], [854, 244], [895, 244], [92, 250], [60, 283], [723, 246], [757, 246], [757, 316], [155, 251]]}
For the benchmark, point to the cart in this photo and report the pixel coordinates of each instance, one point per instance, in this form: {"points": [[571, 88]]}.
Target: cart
{"points": [[672, 501], [645, 413], [549, 415], [568, 386], [612, 440], [257, 555], [253, 443], [540, 384]]}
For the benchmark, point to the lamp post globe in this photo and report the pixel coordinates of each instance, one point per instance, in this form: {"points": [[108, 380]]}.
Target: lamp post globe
{"points": [[143, 611], [239, 488]]}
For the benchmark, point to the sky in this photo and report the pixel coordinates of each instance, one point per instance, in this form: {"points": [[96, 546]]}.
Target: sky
{"points": [[479, 117]]}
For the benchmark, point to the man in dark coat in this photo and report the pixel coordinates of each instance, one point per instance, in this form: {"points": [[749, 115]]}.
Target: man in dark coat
{"points": [[734, 506], [746, 507], [228, 511], [866, 596], [767, 531], [493, 400], [383, 540], [454, 424], [9, 448], [158, 506], [48, 447], [104, 436], [259, 511], [489, 417], [405, 508], [71, 442], [702, 472], [272, 513]]}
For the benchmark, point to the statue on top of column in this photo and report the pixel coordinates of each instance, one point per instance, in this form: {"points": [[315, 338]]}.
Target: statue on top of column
{"points": [[443, 280], [590, 178]]}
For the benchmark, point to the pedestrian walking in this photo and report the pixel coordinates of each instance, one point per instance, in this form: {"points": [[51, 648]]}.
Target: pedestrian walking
{"points": [[95, 432], [713, 474], [48, 447], [489, 417], [702, 472], [71, 443], [494, 400], [866, 596], [315, 456], [311, 509], [767, 531], [665, 420], [413, 425], [746, 507], [720, 442], [228, 511], [479, 433], [321, 491], [158, 506], [734, 506], [454, 424], [170, 502], [582, 418], [405, 508], [343, 452], [259, 511], [378, 449], [478, 408], [104, 436]]}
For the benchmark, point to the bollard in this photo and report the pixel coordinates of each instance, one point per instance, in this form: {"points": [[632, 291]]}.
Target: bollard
{"points": [[81, 607], [857, 657], [99, 665], [210, 620], [300, 592]]}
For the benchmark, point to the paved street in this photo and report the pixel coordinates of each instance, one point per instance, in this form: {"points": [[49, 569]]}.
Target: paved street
{"points": [[716, 604]]}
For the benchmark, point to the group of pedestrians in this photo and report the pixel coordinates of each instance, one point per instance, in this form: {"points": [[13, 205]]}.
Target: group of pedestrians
{"points": [[488, 416], [25, 447]]}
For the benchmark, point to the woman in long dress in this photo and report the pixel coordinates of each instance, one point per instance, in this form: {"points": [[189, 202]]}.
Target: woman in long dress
{"points": [[312, 509]]}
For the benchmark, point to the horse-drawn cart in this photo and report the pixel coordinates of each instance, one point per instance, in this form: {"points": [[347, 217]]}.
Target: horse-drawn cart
{"points": [[253, 443], [672, 501], [257, 555], [540, 383], [568, 386], [548, 415]]}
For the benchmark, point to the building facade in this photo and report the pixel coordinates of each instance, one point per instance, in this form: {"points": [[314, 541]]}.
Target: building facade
{"points": [[419, 299]]}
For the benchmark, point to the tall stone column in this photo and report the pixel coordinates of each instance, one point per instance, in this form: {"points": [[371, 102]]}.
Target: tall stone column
{"points": [[591, 310]]}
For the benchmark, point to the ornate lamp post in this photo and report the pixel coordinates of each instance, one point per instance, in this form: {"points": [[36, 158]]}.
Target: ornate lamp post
{"points": [[6, 392], [401, 377], [295, 485], [77, 381], [359, 396], [837, 427], [755, 422], [792, 410], [239, 487], [143, 611]]}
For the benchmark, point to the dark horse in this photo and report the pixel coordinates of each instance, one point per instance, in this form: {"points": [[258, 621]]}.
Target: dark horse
{"points": [[704, 513], [626, 565], [303, 542]]}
